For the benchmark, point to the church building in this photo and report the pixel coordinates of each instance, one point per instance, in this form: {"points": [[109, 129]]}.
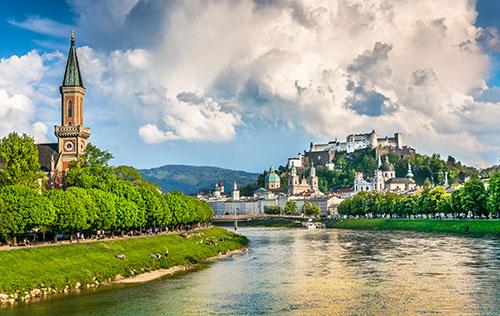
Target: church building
{"points": [[384, 179], [301, 185], [72, 135]]}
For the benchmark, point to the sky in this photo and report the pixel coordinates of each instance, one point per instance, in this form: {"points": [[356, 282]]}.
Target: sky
{"points": [[245, 84]]}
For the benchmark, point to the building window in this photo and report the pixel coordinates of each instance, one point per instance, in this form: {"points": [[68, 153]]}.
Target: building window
{"points": [[70, 109]]}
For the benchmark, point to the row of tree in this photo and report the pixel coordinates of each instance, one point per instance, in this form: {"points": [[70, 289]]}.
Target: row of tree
{"points": [[97, 197], [125, 207], [470, 199], [291, 208]]}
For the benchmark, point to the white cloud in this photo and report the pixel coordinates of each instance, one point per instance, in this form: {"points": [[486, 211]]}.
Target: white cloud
{"points": [[40, 132], [328, 67], [151, 134], [43, 26], [191, 117], [21, 93], [337, 67], [16, 112]]}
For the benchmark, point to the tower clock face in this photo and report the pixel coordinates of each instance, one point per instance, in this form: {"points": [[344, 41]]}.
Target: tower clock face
{"points": [[69, 146]]}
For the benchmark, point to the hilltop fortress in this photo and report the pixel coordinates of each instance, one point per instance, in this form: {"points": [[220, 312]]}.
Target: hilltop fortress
{"points": [[323, 154]]}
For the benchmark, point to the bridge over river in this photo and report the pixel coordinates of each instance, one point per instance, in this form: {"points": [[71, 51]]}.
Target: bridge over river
{"points": [[245, 218]]}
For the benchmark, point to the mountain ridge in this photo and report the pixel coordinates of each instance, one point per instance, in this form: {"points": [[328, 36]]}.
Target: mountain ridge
{"points": [[191, 179]]}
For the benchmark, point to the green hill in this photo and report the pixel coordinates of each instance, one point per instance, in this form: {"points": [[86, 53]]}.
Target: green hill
{"points": [[192, 179]]}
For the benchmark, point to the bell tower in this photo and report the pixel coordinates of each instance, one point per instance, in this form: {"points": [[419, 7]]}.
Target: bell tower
{"points": [[71, 134]]}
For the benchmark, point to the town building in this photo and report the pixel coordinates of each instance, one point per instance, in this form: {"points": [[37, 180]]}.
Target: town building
{"points": [[72, 135], [301, 190]]}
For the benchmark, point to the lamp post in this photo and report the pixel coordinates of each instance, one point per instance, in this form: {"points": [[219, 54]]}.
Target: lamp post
{"points": [[235, 219]]}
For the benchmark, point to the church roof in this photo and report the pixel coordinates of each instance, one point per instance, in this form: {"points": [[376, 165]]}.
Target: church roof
{"points": [[72, 76], [387, 166], [45, 154], [400, 181]]}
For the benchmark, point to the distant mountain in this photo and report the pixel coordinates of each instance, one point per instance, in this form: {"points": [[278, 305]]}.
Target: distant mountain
{"points": [[192, 179]]}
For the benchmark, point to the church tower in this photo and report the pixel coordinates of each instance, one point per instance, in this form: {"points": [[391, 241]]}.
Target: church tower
{"points": [[313, 179], [71, 134], [293, 181], [235, 194]]}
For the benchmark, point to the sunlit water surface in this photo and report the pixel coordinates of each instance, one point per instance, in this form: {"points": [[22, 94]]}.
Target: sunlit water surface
{"points": [[294, 271]]}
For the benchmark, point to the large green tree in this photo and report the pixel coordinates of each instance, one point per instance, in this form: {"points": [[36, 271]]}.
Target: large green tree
{"points": [[91, 170], [7, 224], [474, 197], [272, 209], [19, 155], [105, 202], [28, 209], [290, 207], [494, 195], [310, 209], [71, 215]]}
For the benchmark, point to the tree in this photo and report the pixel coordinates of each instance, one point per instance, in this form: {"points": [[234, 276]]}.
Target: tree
{"points": [[290, 207], [158, 212], [444, 204], [474, 197], [272, 209], [131, 194], [19, 155], [310, 209], [105, 202], [71, 214], [179, 208], [91, 170], [7, 224], [429, 200], [83, 196], [28, 209], [133, 176], [456, 201], [126, 213], [494, 195]]}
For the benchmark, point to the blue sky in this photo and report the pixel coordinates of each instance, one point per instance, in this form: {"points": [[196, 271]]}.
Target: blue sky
{"points": [[247, 84]]}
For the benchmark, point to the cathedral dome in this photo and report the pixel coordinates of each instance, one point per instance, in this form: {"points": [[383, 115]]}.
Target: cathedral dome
{"points": [[272, 177]]}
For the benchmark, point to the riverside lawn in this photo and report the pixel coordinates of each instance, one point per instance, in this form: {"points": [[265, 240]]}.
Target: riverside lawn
{"points": [[69, 265], [462, 227]]}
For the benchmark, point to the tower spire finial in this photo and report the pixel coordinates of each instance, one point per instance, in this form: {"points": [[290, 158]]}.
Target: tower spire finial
{"points": [[72, 36]]}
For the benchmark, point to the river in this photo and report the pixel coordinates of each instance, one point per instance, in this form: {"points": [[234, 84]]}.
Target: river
{"points": [[295, 271]]}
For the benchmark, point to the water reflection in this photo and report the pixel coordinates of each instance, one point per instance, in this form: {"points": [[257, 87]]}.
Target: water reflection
{"points": [[315, 272]]}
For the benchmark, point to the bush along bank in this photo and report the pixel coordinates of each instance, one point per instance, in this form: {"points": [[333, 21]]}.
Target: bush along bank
{"points": [[460, 227], [36, 272]]}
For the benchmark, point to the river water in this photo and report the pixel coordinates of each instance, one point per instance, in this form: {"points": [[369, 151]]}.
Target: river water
{"points": [[327, 272]]}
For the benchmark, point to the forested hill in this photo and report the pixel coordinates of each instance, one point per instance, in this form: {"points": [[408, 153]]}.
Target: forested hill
{"points": [[192, 179]]}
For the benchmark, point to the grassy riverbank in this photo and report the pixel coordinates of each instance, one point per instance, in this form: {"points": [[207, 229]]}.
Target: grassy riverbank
{"points": [[462, 227], [92, 263]]}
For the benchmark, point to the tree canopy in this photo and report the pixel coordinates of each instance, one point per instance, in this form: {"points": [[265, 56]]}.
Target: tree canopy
{"points": [[19, 156]]}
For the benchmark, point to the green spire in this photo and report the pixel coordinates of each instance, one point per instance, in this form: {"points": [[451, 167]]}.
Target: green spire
{"points": [[72, 75], [409, 174]]}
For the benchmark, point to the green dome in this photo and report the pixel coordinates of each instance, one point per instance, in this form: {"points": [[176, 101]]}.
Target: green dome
{"points": [[272, 177]]}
